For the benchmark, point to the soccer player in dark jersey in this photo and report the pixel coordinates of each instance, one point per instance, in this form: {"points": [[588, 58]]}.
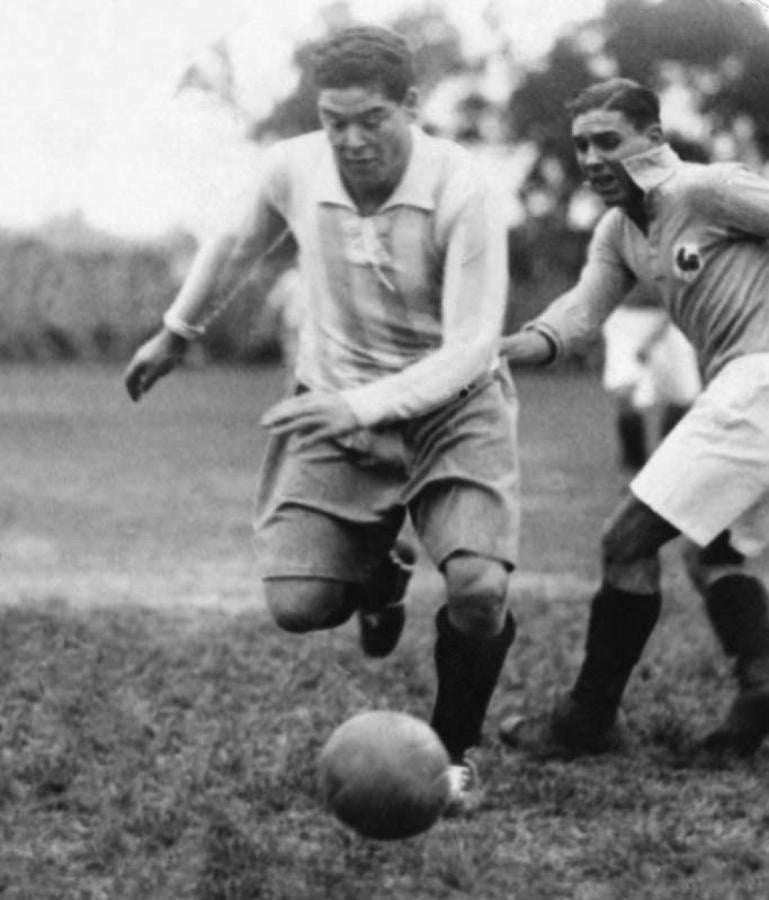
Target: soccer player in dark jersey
{"points": [[696, 232], [402, 405]]}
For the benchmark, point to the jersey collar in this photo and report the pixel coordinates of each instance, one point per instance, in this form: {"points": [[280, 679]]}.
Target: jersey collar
{"points": [[653, 167], [416, 187]]}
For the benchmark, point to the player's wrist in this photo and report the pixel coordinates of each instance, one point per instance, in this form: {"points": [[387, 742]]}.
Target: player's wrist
{"points": [[531, 346], [175, 344], [182, 330]]}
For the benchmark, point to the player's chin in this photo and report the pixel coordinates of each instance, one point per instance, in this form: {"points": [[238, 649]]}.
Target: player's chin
{"points": [[363, 175], [609, 195]]}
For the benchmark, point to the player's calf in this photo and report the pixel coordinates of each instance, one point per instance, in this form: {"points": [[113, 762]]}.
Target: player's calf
{"points": [[738, 609], [586, 720], [380, 603], [468, 662]]}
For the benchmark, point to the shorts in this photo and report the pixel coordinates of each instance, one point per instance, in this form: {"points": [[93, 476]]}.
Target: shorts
{"points": [[333, 509], [669, 375], [712, 471]]}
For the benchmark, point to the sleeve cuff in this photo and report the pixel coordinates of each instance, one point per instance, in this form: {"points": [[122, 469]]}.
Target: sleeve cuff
{"points": [[549, 335], [179, 327]]}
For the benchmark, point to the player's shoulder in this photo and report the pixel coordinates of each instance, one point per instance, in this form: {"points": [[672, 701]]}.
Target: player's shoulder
{"points": [[611, 224], [700, 182], [454, 173]]}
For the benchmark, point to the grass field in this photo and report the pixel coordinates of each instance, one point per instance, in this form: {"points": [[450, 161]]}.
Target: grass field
{"points": [[158, 735]]}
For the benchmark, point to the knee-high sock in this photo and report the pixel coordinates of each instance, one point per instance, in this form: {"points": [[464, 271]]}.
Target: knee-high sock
{"points": [[631, 430], [619, 627], [467, 669], [737, 607], [385, 586]]}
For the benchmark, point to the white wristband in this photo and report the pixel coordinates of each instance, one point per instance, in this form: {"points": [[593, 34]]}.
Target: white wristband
{"points": [[189, 332]]}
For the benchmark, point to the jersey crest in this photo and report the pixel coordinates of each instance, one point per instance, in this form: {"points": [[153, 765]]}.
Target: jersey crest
{"points": [[687, 261]]}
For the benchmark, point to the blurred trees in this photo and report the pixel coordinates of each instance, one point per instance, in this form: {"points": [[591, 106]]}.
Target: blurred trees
{"points": [[438, 53], [69, 292]]}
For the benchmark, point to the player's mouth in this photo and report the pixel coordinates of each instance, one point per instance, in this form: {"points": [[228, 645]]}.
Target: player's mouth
{"points": [[604, 185], [362, 165]]}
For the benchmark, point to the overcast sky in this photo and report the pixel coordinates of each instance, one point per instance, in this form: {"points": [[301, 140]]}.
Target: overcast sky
{"points": [[87, 93]]}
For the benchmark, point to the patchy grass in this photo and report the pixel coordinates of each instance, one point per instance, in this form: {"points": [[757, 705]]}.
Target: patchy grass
{"points": [[167, 749]]}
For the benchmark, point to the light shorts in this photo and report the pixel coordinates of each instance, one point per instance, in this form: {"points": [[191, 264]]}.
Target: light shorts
{"points": [[668, 376], [712, 471], [333, 509]]}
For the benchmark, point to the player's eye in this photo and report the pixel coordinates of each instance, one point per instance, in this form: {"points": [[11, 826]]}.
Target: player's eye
{"points": [[581, 145], [608, 141]]}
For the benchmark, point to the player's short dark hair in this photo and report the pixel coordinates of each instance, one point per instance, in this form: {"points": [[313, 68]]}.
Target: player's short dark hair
{"points": [[639, 104], [365, 55]]}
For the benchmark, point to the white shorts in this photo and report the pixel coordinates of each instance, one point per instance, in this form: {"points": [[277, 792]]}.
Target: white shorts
{"points": [[669, 375], [712, 471]]}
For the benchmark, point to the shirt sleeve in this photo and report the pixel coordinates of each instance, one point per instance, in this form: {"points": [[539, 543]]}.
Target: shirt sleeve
{"points": [[743, 201], [573, 320], [227, 260], [473, 304]]}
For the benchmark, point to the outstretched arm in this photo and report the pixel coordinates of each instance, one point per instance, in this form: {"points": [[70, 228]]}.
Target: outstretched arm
{"points": [[222, 266], [573, 321], [527, 348]]}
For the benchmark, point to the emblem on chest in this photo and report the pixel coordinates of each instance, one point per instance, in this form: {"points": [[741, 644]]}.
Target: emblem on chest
{"points": [[687, 260]]}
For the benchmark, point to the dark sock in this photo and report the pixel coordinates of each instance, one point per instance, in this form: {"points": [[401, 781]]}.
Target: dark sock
{"points": [[737, 607], [631, 429], [619, 627], [468, 669], [387, 584]]}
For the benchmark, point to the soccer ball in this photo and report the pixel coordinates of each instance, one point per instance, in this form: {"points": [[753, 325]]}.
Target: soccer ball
{"points": [[385, 774]]}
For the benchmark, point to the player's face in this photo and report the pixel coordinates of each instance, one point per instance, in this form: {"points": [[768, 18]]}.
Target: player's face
{"points": [[370, 136], [602, 140]]}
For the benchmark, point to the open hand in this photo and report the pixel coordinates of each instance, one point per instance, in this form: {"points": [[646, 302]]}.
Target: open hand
{"points": [[318, 415], [154, 359]]}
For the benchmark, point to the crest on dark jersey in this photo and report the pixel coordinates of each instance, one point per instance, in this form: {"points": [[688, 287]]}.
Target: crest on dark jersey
{"points": [[687, 261]]}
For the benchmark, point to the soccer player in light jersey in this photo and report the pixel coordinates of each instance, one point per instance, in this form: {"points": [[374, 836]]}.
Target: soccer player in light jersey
{"points": [[697, 232], [402, 405]]}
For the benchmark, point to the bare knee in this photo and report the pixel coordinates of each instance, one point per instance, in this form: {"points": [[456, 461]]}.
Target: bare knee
{"points": [[616, 550], [707, 564], [626, 566], [300, 605], [476, 589]]}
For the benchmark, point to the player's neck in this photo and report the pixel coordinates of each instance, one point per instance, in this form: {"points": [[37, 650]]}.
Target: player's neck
{"points": [[370, 198], [636, 211]]}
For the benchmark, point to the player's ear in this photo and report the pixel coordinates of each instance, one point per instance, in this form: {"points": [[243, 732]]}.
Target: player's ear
{"points": [[655, 134], [411, 101]]}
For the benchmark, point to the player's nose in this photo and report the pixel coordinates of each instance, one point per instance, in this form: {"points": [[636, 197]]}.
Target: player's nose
{"points": [[591, 156], [352, 137]]}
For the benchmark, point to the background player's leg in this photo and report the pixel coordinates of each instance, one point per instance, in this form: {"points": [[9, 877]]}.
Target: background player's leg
{"points": [[631, 436]]}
